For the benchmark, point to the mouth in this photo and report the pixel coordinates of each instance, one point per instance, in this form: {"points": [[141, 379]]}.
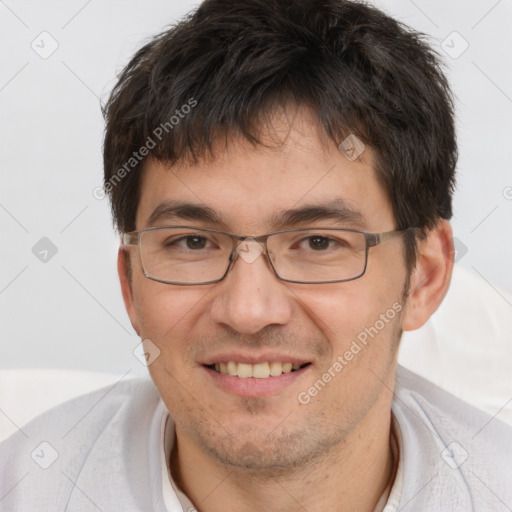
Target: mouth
{"points": [[248, 374], [262, 370]]}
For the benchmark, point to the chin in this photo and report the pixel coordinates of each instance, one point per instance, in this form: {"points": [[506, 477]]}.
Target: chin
{"points": [[265, 449], [269, 457]]}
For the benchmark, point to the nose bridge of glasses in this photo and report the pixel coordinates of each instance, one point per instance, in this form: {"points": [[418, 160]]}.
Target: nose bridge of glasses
{"points": [[249, 248]]}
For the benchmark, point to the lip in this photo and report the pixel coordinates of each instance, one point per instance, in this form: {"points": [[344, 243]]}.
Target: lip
{"points": [[252, 387], [254, 358]]}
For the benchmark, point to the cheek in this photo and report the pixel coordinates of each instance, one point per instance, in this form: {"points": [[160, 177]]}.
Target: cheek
{"points": [[166, 311], [362, 327], [348, 308], [361, 323]]}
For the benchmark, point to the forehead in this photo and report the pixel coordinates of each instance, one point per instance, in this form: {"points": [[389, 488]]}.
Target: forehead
{"points": [[248, 188]]}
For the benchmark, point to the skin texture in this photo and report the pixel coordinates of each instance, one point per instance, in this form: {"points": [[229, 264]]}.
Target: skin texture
{"points": [[273, 453]]}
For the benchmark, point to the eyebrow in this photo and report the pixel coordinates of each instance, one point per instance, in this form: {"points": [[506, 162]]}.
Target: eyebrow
{"points": [[174, 209], [336, 210]]}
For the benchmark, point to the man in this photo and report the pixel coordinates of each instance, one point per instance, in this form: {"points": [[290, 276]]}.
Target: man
{"points": [[281, 175]]}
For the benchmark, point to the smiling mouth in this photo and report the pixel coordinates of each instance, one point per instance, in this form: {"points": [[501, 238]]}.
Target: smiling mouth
{"points": [[256, 371]]}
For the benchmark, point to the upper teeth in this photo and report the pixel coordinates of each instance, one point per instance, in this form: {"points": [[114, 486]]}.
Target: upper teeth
{"points": [[258, 371]]}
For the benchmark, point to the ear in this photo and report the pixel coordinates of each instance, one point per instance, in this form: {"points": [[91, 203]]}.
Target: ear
{"points": [[431, 276], [124, 271]]}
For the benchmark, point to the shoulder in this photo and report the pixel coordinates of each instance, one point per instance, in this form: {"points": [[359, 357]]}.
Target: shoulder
{"points": [[44, 457], [88, 413], [441, 408], [453, 450]]}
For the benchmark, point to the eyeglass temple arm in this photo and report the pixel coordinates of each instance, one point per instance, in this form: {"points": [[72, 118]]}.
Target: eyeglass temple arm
{"points": [[129, 239], [378, 238]]}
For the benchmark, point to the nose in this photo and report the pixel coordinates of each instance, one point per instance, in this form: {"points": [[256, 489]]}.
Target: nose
{"points": [[251, 296]]}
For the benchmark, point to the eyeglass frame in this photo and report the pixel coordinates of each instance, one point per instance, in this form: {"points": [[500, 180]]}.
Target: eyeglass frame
{"points": [[132, 239]]}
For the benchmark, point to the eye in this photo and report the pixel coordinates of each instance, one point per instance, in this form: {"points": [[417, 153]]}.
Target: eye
{"points": [[195, 242], [321, 243], [192, 242], [318, 243]]}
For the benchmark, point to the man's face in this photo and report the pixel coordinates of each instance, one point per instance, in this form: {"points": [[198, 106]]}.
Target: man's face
{"points": [[252, 316]]}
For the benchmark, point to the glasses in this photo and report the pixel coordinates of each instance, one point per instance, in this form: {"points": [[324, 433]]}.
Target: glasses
{"points": [[187, 255]]}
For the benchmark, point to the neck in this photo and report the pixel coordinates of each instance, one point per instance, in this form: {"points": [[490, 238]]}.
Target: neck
{"points": [[352, 476]]}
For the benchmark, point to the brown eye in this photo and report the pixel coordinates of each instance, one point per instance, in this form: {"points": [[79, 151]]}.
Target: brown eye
{"points": [[318, 243], [196, 242]]}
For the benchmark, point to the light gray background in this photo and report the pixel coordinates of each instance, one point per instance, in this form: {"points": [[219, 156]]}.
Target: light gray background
{"points": [[67, 312]]}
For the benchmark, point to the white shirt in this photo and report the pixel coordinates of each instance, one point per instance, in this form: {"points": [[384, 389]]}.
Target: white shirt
{"points": [[108, 451]]}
